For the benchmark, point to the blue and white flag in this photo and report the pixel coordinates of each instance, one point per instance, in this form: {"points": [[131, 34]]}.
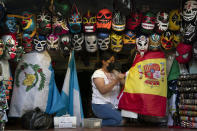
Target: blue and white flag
{"points": [[71, 93]]}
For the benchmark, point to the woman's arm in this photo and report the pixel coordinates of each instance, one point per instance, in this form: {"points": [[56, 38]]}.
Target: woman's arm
{"points": [[119, 76], [100, 85]]}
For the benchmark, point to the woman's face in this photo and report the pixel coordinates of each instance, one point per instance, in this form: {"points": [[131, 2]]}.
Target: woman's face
{"points": [[110, 60]]}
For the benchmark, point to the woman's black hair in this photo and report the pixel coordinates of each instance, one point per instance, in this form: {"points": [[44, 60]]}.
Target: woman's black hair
{"points": [[104, 55]]}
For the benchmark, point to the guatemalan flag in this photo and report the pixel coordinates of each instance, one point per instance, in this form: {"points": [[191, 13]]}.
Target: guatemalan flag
{"points": [[71, 92]]}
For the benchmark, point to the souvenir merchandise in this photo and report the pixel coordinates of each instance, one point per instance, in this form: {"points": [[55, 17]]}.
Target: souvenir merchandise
{"points": [[118, 21], [183, 53], [29, 23], [89, 22], [176, 39], [174, 20], [59, 25], [91, 42], [103, 41], [134, 21], [43, 20], [194, 48], [162, 21], [2, 48], [129, 38], [142, 43], [104, 19], [149, 96], [116, 42], [148, 22], [11, 45], [62, 6], [40, 43], [75, 20], [189, 33], [11, 24], [52, 42], [166, 40], [2, 10], [154, 42], [35, 86], [77, 41], [190, 11], [27, 43], [65, 44]]}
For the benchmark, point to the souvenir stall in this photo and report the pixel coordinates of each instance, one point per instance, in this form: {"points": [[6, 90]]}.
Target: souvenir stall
{"points": [[53, 47]]}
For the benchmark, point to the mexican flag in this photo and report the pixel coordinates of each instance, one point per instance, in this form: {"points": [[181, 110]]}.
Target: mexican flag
{"points": [[146, 85]]}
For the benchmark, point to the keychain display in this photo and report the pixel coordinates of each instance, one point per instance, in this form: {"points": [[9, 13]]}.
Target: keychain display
{"points": [[104, 19], [183, 53], [154, 42], [142, 43], [91, 42], [103, 41], [118, 21], [174, 20], [116, 42], [89, 22]]}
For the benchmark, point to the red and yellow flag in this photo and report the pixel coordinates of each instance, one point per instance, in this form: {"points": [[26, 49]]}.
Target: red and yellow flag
{"points": [[146, 85]]}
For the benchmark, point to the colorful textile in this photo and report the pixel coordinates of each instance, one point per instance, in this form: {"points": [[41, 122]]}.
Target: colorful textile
{"points": [[187, 113], [187, 118], [146, 85], [188, 101], [188, 107], [188, 124], [70, 94], [188, 95], [174, 71]]}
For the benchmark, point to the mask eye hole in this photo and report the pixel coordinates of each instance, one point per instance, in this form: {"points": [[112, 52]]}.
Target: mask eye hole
{"points": [[185, 56]]}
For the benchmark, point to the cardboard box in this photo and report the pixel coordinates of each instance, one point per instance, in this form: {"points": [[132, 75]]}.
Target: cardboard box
{"points": [[65, 122]]}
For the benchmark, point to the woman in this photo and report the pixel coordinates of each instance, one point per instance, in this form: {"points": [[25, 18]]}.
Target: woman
{"points": [[106, 88]]}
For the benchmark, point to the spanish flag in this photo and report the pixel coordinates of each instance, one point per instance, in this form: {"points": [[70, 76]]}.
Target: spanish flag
{"points": [[146, 85]]}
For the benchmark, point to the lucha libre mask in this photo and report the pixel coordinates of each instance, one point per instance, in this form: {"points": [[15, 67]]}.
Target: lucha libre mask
{"points": [[134, 20], [11, 24], [77, 41], [27, 43], [28, 23], [189, 33], [176, 39], [11, 44], [154, 42], [104, 19], [129, 38], [89, 23], [142, 44], [59, 25], [166, 40], [195, 51], [148, 22], [44, 23], [75, 20], [183, 53], [190, 11], [2, 48], [103, 41], [162, 21], [174, 20], [52, 42], [65, 45], [118, 21], [116, 42], [2, 10], [40, 43], [91, 42]]}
